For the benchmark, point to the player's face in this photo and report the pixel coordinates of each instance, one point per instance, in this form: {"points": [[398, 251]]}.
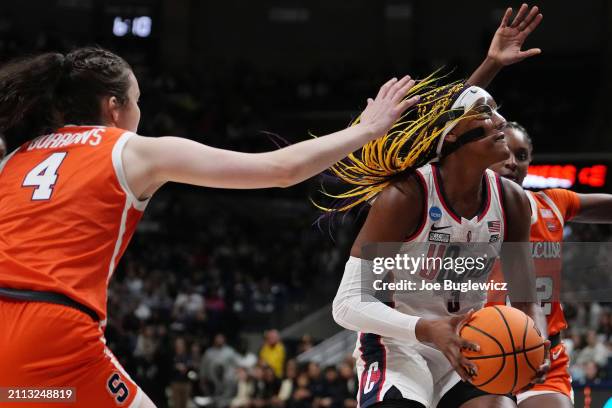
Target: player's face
{"points": [[515, 167], [492, 147], [128, 115]]}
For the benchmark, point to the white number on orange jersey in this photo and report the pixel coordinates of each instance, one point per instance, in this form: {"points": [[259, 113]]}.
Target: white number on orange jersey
{"points": [[544, 285], [44, 176]]}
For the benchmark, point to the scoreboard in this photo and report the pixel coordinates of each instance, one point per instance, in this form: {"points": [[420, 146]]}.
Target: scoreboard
{"points": [[580, 174]]}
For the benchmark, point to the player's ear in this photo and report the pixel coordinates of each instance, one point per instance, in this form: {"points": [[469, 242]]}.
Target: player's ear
{"points": [[110, 109], [114, 106]]}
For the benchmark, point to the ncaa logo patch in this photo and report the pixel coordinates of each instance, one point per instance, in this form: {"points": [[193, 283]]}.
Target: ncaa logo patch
{"points": [[435, 213]]}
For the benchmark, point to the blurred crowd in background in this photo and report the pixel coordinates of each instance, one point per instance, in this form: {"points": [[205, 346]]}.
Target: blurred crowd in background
{"points": [[192, 287]]}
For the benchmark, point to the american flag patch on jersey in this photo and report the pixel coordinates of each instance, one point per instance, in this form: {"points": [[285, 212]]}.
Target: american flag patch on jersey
{"points": [[494, 226]]}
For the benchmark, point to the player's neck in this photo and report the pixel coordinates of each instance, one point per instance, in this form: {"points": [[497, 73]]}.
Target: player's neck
{"points": [[462, 184]]}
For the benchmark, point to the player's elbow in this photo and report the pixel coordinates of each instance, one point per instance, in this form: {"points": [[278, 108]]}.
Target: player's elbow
{"points": [[338, 311], [284, 174], [342, 311]]}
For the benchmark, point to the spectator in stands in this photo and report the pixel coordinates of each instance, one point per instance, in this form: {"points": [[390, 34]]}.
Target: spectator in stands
{"points": [[605, 324], [331, 390], [348, 379], [273, 352], [266, 386], [591, 374], [245, 389], [594, 351], [302, 395], [146, 344], [246, 358], [264, 299], [287, 385], [160, 371], [180, 384], [217, 365], [314, 375], [196, 357], [573, 343], [608, 368], [189, 305], [306, 343]]}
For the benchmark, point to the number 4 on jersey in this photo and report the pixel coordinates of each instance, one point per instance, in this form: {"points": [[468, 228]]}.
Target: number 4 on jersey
{"points": [[44, 176]]}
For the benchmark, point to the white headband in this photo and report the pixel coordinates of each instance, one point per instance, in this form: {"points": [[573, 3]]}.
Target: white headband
{"points": [[465, 100]]}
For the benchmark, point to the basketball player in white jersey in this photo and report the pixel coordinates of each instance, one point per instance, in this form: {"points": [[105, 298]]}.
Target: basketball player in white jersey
{"points": [[409, 354]]}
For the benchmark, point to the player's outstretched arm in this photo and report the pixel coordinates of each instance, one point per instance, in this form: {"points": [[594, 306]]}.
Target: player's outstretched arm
{"points": [[151, 162], [505, 48], [594, 209]]}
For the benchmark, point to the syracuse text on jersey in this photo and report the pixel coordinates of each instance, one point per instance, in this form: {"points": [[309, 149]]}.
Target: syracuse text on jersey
{"points": [[93, 137], [546, 250]]}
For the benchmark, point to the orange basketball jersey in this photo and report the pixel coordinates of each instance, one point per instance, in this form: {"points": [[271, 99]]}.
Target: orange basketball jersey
{"points": [[67, 213], [550, 209]]}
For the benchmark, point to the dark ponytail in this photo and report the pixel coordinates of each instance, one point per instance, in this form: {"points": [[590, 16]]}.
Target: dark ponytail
{"points": [[41, 93], [27, 95]]}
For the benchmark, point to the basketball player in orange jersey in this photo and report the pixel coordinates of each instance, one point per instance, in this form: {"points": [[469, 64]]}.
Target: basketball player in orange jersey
{"points": [[550, 210], [72, 197]]}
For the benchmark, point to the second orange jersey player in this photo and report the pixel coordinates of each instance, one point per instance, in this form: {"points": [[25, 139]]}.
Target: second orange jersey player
{"points": [[551, 209]]}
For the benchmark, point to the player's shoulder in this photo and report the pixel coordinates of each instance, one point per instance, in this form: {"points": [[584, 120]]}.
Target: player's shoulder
{"points": [[512, 192], [402, 199], [405, 190], [516, 203], [560, 196]]}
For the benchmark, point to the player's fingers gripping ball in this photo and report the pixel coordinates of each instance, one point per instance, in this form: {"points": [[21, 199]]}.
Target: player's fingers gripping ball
{"points": [[511, 349]]}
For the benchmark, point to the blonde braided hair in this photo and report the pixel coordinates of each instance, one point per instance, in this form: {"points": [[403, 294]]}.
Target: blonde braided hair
{"points": [[409, 144]]}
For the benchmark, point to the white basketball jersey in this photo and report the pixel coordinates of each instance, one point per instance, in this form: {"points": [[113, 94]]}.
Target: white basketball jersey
{"points": [[394, 368], [440, 228]]}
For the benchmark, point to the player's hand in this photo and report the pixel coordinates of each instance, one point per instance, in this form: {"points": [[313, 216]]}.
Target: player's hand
{"points": [[383, 111], [506, 45], [443, 333], [540, 375]]}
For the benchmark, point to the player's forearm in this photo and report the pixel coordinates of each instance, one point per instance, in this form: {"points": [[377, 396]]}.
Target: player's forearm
{"points": [[308, 158], [159, 160], [594, 208], [484, 74], [355, 307]]}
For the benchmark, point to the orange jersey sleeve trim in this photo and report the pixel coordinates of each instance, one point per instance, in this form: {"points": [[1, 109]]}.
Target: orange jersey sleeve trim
{"points": [[568, 202]]}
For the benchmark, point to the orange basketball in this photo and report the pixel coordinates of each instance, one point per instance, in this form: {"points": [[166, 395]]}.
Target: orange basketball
{"points": [[511, 349]]}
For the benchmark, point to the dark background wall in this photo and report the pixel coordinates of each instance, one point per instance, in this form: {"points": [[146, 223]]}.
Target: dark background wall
{"points": [[269, 48]]}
